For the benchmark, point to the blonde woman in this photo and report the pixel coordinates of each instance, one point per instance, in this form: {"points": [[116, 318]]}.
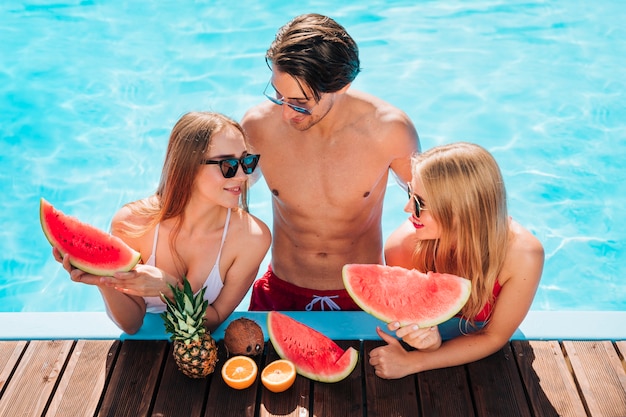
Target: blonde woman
{"points": [[459, 225], [196, 225]]}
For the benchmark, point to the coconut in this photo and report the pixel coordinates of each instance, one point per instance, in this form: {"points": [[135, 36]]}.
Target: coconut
{"points": [[243, 337]]}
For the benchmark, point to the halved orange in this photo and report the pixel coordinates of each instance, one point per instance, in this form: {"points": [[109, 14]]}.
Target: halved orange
{"points": [[239, 372], [278, 375]]}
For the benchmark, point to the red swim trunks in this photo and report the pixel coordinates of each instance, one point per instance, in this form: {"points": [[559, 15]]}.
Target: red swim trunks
{"points": [[270, 293]]}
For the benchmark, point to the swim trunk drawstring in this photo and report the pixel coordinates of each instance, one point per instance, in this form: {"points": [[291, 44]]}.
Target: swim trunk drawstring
{"points": [[325, 299]]}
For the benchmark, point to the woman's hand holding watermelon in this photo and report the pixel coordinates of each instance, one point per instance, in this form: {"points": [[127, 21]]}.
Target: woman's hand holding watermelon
{"points": [[143, 281], [426, 339], [77, 275]]}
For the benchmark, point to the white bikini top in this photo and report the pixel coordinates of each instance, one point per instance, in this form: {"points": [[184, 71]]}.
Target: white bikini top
{"points": [[213, 283]]}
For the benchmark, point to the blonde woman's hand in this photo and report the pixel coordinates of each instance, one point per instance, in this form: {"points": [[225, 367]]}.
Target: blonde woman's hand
{"points": [[390, 361], [426, 339]]}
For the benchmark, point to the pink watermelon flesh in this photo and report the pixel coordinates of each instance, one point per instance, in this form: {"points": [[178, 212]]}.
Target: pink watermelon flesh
{"points": [[314, 355], [89, 248], [392, 293]]}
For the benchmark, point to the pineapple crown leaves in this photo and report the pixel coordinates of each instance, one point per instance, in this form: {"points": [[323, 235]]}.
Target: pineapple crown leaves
{"points": [[184, 318]]}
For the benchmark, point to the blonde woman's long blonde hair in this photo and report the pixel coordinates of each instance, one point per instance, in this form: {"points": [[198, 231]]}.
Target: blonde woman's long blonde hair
{"points": [[189, 144], [465, 194]]}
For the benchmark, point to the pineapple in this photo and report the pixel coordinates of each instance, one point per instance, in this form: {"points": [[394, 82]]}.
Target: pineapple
{"points": [[194, 349]]}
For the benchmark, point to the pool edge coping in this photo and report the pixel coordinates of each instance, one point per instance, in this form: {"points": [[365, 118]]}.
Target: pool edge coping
{"points": [[538, 325]]}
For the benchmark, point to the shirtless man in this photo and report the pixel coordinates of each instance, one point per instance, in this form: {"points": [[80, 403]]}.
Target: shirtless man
{"points": [[326, 154]]}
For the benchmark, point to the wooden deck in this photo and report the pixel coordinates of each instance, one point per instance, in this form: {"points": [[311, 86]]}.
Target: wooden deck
{"points": [[139, 378]]}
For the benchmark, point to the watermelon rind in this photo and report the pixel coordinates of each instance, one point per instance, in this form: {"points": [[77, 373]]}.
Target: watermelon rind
{"points": [[406, 296], [89, 248], [313, 354]]}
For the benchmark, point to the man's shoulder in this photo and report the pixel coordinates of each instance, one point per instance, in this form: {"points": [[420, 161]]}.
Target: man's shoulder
{"points": [[259, 122], [382, 120], [260, 112], [378, 108]]}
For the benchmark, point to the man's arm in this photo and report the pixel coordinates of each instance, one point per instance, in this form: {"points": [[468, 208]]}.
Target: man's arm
{"points": [[406, 144]]}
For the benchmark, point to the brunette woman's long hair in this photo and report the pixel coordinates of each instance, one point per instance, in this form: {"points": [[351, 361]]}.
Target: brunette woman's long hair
{"points": [[465, 194]]}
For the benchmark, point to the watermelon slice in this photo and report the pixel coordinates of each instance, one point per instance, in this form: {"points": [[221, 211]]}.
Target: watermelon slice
{"points": [[314, 355], [392, 293], [89, 248]]}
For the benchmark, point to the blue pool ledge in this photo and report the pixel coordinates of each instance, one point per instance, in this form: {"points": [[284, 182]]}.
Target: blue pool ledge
{"points": [[538, 325]]}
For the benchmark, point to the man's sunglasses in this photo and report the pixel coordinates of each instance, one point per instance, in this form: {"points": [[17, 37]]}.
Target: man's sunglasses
{"points": [[418, 207], [281, 101], [229, 166]]}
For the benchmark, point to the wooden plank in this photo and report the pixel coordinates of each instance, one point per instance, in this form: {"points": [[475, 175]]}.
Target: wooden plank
{"points": [[35, 378], [600, 376], [445, 392], [10, 353], [225, 401], [548, 380], [497, 386], [134, 378], [621, 348], [343, 398], [388, 397], [81, 386], [294, 402], [179, 395]]}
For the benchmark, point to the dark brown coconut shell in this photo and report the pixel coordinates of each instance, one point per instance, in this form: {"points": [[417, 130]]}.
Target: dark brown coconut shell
{"points": [[244, 337]]}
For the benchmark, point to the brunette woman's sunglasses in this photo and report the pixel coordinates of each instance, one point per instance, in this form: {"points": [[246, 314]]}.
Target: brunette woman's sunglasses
{"points": [[418, 207], [229, 166]]}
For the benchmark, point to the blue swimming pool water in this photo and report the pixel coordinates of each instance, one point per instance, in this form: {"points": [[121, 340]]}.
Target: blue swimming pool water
{"points": [[89, 91]]}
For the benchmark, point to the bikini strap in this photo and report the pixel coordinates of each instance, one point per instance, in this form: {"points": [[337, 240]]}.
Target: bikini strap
{"points": [[154, 243], [219, 254]]}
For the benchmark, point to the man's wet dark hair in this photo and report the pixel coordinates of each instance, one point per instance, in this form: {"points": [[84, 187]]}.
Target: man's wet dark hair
{"points": [[317, 51]]}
